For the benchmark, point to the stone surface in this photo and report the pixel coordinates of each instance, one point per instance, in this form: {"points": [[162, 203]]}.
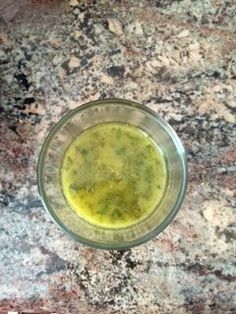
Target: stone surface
{"points": [[177, 58]]}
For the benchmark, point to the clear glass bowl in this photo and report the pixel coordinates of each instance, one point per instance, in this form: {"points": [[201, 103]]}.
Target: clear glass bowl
{"points": [[61, 136]]}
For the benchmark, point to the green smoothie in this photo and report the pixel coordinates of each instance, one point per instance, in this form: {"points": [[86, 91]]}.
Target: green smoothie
{"points": [[113, 175]]}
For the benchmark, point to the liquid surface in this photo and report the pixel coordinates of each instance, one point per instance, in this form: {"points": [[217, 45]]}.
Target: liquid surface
{"points": [[113, 175]]}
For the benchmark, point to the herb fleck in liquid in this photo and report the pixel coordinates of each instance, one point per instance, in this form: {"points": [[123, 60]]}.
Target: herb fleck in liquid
{"points": [[113, 175]]}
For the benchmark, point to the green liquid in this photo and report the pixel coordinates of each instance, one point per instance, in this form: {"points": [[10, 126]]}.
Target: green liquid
{"points": [[113, 175]]}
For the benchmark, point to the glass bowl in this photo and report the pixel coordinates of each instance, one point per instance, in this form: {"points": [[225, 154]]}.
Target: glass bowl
{"points": [[59, 139]]}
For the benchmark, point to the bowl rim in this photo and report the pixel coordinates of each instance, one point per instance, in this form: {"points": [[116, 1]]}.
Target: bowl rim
{"points": [[159, 228]]}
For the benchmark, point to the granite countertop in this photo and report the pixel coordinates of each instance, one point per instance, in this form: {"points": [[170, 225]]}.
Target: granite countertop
{"points": [[176, 57]]}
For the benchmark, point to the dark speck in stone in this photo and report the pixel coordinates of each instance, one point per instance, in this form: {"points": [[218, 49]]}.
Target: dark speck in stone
{"points": [[90, 55], [213, 305], [216, 74], [192, 18], [65, 65], [82, 8], [37, 119], [116, 256], [103, 95], [21, 64], [114, 51], [85, 22], [29, 100], [21, 107], [22, 80], [116, 71], [126, 256], [13, 128], [230, 233], [4, 199], [131, 264], [27, 55], [83, 47], [83, 61], [204, 19], [23, 115], [191, 131], [4, 61], [54, 265]]}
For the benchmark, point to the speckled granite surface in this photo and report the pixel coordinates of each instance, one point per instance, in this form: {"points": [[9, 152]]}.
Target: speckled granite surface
{"points": [[178, 58]]}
